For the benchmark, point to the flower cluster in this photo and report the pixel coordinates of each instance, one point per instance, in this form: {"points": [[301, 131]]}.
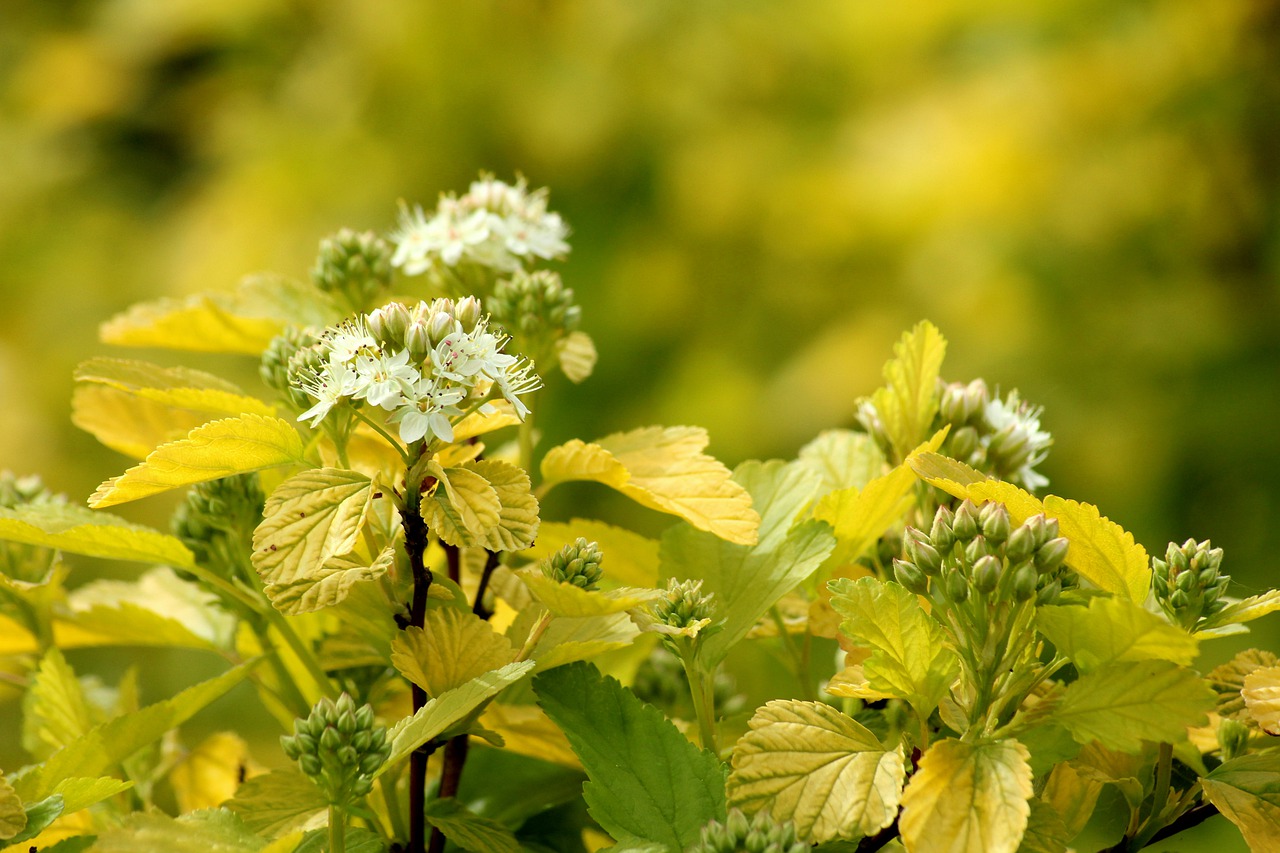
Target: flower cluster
{"points": [[423, 365], [577, 563], [339, 747], [760, 833], [1188, 582], [494, 225]]}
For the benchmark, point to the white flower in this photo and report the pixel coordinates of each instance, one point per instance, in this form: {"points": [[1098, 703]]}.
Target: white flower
{"points": [[382, 379], [543, 236], [348, 340], [519, 379], [332, 385], [425, 412], [1015, 428], [462, 357]]}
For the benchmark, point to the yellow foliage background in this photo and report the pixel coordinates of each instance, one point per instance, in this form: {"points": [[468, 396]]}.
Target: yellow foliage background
{"points": [[1081, 195]]}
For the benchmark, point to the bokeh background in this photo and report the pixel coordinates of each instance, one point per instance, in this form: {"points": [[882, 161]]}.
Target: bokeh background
{"points": [[1081, 194]]}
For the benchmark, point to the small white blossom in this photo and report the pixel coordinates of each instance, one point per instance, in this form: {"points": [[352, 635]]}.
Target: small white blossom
{"points": [[383, 379], [425, 411], [1017, 424], [334, 383], [349, 340]]}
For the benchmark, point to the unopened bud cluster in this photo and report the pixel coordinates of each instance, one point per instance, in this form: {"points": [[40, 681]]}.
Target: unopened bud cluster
{"points": [[1189, 583], [355, 265], [1001, 437], [536, 306], [976, 553], [216, 522], [339, 747], [22, 562], [577, 563], [23, 491], [739, 834], [684, 607], [292, 352]]}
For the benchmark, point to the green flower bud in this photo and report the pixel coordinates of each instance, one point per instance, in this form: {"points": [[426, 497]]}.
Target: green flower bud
{"points": [[738, 834], [963, 443], [1049, 593], [216, 521], [995, 521], [1052, 554], [684, 604], [417, 341], [389, 324], [330, 740], [965, 525], [940, 533], [361, 786], [956, 587], [348, 756], [910, 577], [577, 563], [922, 553], [439, 327], [354, 265], [310, 765], [1179, 600], [977, 548], [468, 312], [1020, 545], [986, 574], [535, 306], [1024, 582]]}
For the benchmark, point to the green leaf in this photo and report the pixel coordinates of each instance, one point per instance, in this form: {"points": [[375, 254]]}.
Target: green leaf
{"points": [[1110, 630], [277, 803], [198, 832], [449, 650], [910, 657], [576, 353], [464, 509], [843, 459], [630, 558], [968, 798], [55, 710], [663, 469], [647, 781], [1247, 792], [209, 452], [1046, 832], [468, 830], [808, 763], [1122, 704], [908, 402], [1247, 610], [79, 793], [109, 743], [13, 818], [39, 816], [860, 517], [748, 580], [77, 530], [303, 548], [517, 524], [448, 709]]}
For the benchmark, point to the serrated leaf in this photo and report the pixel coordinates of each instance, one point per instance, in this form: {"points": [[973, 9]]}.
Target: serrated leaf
{"points": [[157, 609], [910, 657], [448, 709], [664, 469], [464, 509], [78, 530], [330, 584], [40, 815], [309, 520], [565, 599], [568, 639], [451, 648], [968, 798], [111, 742], [128, 424], [648, 783], [1072, 794], [277, 803], [1238, 612], [526, 730], [517, 524], [199, 832], [859, 517], [1247, 792], [1122, 704], [908, 402], [576, 353], [13, 818], [79, 793], [55, 710], [843, 459], [209, 452], [209, 775], [808, 763], [1261, 694], [1045, 832], [629, 558], [1110, 630], [469, 830]]}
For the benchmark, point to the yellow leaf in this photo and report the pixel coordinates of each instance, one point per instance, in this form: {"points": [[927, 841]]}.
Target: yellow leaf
{"points": [[217, 449], [309, 519], [576, 353], [908, 402], [1262, 697], [968, 798], [629, 558], [329, 583], [13, 818], [94, 534], [843, 459], [503, 414], [808, 763], [565, 599], [198, 323], [527, 730], [210, 773], [663, 469], [517, 524], [860, 517], [450, 649], [1072, 795], [569, 639], [1247, 792], [464, 508], [126, 423]]}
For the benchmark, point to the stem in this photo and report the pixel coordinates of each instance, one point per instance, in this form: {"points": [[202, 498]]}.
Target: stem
{"points": [[702, 690], [337, 829], [455, 758], [408, 460], [798, 658], [534, 636], [1160, 797], [415, 545], [477, 606]]}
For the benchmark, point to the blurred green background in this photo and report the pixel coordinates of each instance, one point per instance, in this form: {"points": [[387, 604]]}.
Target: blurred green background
{"points": [[1081, 195]]}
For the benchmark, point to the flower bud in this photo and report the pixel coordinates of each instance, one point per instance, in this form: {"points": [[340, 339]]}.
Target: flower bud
{"points": [[940, 534], [986, 574], [956, 587], [1049, 593], [389, 324], [1233, 738], [418, 341], [963, 443], [1024, 582], [354, 265], [977, 548], [1052, 554], [995, 521], [922, 553], [439, 327], [910, 576], [965, 525], [577, 563], [467, 312], [1020, 545]]}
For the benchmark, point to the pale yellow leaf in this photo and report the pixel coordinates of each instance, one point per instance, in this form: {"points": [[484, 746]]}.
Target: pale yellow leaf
{"points": [[576, 353], [968, 798], [501, 414], [1262, 697], [209, 774], [565, 599], [55, 710], [569, 639], [158, 608], [1247, 792], [908, 402], [212, 451], [527, 730], [1072, 795], [197, 323], [808, 763], [663, 469], [629, 558], [464, 508], [95, 534], [128, 424], [517, 524], [13, 818], [451, 648], [329, 583], [844, 459]]}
